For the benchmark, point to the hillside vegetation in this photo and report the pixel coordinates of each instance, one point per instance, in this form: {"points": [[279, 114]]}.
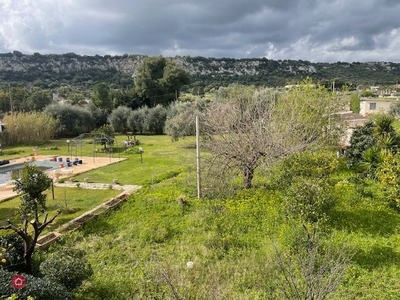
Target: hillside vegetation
{"points": [[52, 70]]}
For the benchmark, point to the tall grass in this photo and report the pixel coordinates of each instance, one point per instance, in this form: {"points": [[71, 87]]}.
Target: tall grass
{"points": [[166, 244], [143, 250]]}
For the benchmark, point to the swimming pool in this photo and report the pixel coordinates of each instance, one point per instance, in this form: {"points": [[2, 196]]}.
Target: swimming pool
{"points": [[12, 172]]}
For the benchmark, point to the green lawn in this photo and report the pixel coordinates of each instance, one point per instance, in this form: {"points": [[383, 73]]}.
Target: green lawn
{"points": [[72, 201], [159, 161], [60, 148]]}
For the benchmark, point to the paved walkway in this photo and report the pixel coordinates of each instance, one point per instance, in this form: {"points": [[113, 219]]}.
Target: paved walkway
{"points": [[88, 163], [99, 186]]}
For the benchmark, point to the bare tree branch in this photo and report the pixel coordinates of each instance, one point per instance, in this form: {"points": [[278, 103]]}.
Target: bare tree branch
{"points": [[254, 128]]}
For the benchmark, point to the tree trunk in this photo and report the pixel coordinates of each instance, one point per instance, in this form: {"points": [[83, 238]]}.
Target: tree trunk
{"points": [[30, 245], [248, 174], [28, 260], [29, 249]]}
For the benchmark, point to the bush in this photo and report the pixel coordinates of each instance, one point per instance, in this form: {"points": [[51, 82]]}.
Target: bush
{"points": [[38, 288], [306, 164], [12, 251], [310, 200], [68, 267]]}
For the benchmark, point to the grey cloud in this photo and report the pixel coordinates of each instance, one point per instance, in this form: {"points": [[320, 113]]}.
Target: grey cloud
{"points": [[316, 30]]}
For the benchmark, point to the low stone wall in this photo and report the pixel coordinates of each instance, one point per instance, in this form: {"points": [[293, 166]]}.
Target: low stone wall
{"points": [[45, 241], [77, 223]]}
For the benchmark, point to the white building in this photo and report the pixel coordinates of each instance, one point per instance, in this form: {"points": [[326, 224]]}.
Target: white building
{"points": [[372, 105]]}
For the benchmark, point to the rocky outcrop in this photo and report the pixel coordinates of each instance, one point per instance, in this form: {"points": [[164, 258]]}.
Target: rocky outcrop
{"points": [[77, 68]]}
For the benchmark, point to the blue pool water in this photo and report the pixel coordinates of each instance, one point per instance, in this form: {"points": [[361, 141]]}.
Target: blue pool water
{"points": [[12, 171]]}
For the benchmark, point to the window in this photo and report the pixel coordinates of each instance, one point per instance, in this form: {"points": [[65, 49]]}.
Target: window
{"points": [[372, 106]]}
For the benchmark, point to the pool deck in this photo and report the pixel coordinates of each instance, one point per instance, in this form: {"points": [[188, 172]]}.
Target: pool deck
{"points": [[88, 163]]}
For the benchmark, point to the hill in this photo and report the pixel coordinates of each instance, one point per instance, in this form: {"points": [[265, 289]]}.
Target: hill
{"points": [[54, 70]]}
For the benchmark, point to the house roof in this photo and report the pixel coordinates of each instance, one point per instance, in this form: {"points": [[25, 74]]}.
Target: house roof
{"points": [[388, 99], [348, 115], [353, 119]]}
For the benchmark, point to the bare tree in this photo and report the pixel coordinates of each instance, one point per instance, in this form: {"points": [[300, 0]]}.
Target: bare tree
{"points": [[254, 128], [312, 271]]}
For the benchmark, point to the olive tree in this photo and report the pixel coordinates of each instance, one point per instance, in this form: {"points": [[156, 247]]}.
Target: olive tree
{"points": [[73, 120], [155, 119], [136, 119], [252, 127], [118, 119], [151, 120], [180, 118]]}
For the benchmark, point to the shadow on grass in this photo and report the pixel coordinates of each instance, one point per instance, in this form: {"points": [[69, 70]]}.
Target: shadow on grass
{"points": [[98, 226], [377, 256], [8, 213], [162, 177], [374, 222], [99, 292], [60, 220]]}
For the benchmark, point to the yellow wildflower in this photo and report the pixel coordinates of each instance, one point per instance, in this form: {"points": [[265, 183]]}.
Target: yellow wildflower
{"points": [[3, 260]]}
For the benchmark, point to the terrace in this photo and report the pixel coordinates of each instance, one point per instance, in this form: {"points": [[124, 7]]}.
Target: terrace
{"points": [[53, 168]]}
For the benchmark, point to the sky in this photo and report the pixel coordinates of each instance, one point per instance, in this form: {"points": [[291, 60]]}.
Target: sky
{"points": [[313, 30]]}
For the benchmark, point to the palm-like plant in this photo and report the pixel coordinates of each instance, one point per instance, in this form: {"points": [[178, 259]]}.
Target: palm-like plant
{"points": [[383, 125]]}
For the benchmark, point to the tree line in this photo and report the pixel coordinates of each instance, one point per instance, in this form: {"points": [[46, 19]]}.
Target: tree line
{"points": [[158, 83]]}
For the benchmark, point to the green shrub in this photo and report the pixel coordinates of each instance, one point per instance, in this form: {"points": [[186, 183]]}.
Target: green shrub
{"points": [[307, 164], [38, 288], [311, 269], [132, 150], [309, 200], [68, 267], [12, 251]]}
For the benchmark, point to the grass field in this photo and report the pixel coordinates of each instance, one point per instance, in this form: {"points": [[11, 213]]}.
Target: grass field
{"points": [[160, 160], [141, 251], [154, 247]]}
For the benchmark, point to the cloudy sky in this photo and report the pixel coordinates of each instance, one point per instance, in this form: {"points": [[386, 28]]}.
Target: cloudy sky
{"points": [[314, 30]]}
